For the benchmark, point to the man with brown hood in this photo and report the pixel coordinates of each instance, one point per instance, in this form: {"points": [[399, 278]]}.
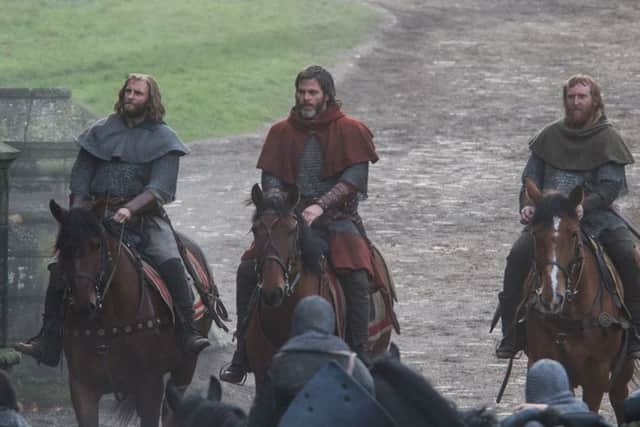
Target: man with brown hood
{"points": [[326, 154], [584, 149]]}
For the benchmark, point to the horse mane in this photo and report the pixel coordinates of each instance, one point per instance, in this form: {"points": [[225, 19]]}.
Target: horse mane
{"points": [[311, 244], [78, 225], [553, 204], [414, 391]]}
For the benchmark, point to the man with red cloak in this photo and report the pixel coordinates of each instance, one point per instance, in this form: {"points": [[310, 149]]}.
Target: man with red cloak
{"points": [[326, 154]]}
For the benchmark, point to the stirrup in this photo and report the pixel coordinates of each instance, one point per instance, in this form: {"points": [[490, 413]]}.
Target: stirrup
{"points": [[227, 373]]}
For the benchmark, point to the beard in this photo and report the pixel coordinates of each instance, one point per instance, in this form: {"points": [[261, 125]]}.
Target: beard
{"points": [[133, 111], [578, 117], [309, 112]]}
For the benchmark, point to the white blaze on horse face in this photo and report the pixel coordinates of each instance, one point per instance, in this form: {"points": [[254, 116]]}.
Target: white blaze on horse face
{"points": [[555, 270]]}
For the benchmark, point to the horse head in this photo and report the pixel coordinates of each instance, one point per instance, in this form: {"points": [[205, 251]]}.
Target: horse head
{"points": [[83, 255], [276, 235], [557, 246]]}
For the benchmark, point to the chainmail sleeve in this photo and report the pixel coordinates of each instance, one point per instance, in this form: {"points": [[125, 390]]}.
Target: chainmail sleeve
{"points": [[534, 169], [610, 183], [163, 178], [358, 176], [82, 173]]}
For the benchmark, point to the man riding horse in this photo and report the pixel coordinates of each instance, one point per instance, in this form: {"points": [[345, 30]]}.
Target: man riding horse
{"points": [[326, 154], [584, 149], [130, 161]]}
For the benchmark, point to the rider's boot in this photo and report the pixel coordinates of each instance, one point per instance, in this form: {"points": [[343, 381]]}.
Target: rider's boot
{"points": [[620, 246], [173, 272], [246, 282], [46, 347], [515, 274], [355, 284]]}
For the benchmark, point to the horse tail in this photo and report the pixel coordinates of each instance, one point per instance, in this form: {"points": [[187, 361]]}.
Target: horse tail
{"points": [[125, 410]]}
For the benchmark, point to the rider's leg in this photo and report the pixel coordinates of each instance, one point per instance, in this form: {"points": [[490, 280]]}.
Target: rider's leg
{"points": [[246, 282], [47, 345], [355, 284], [174, 274], [515, 273], [620, 246]]}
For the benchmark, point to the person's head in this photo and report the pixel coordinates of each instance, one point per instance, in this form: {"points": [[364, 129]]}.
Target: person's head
{"points": [[313, 314], [547, 382], [7, 393], [315, 91], [139, 97], [582, 100]]}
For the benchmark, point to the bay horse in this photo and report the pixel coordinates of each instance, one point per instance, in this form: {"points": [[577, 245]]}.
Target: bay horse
{"points": [[119, 336], [291, 265], [572, 315]]}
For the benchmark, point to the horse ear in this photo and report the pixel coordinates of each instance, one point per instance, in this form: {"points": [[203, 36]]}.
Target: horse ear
{"points": [[293, 196], [532, 190], [256, 195], [57, 211], [577, 195], [173, 395], [215, 389]]}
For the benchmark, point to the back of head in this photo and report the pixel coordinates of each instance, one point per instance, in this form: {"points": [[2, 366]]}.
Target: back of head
{"points": [[7, 392], [313, 314], [547, 382]]}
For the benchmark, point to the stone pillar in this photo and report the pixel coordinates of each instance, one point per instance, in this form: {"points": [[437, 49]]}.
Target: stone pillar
{"points": [[8, 154], [42, 124]]}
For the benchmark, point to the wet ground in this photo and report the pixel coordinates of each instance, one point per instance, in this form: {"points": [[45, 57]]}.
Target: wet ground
{"points": [[453, 91]]}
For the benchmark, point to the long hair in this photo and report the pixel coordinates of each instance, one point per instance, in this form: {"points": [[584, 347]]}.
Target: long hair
{"points": [[587, 80], [154, 109], [324, 78], [7, 393]]}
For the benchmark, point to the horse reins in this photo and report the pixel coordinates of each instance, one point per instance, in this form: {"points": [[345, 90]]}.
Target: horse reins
{"points": [[275, 256]]}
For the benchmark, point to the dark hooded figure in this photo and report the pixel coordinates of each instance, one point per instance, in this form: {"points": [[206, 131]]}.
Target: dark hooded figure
{"points": [[311, 346], [9, 409], [548, 387]]}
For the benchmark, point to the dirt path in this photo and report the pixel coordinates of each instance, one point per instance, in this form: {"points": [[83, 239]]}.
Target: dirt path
{"points": [[453, 91]]}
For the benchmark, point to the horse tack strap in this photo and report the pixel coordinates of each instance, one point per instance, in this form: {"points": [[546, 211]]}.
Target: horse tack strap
{"points": [[115, 330], [563, 324]]}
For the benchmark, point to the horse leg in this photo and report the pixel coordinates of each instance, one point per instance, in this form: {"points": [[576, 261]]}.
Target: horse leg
{"points": [[619, 390], [594, 386], [149, 401], [85, 401]]}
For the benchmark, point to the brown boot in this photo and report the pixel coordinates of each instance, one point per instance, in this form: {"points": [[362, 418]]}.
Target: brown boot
{"points": [[46, 347]]}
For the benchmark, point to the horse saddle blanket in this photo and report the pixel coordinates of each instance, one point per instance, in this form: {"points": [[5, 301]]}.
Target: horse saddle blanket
{"points": [[333, 398], [382, 295], [155, 281]]}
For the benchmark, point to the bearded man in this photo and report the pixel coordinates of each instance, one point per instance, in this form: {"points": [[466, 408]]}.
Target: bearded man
{"points": [[326, 154], [581, 149], [130, 159]]}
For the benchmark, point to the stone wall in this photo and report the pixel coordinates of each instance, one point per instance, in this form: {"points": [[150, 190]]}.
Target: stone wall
{"points": [[42, 124]]}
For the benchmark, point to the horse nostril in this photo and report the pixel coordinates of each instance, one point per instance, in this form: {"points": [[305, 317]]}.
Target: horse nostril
{"points": [[273, 298]]}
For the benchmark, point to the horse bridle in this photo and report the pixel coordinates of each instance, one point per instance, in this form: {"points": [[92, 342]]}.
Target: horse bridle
{"points": [[273, 254], [102, 281], [571, 272]]}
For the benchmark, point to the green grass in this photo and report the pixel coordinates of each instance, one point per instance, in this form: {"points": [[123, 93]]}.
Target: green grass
{"points": [[224, 66]]}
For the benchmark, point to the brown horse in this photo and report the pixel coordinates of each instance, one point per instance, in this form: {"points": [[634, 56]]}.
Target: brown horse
{"points": [[572, 316], [291, 266], [119, 335]]}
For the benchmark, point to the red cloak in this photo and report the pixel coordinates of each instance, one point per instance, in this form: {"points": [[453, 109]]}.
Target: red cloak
{"points": [[344, 140]]}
